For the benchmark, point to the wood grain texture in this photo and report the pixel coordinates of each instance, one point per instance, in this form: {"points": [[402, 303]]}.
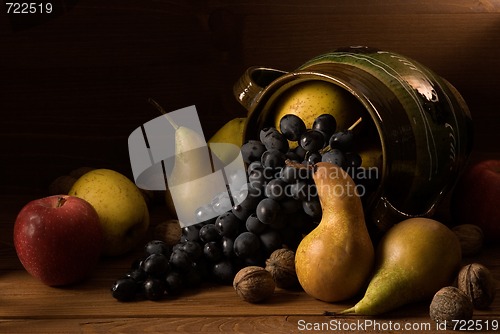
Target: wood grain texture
{"points": [[28, 306], [250, 324]]}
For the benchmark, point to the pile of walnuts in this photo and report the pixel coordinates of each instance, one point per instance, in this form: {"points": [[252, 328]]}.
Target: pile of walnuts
{"points": [[475, 289], [255, 284]]}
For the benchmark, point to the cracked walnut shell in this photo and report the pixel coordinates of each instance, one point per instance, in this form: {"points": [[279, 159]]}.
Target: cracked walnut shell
{"points": [[281, 265], [476, 281], [254, 284], [449, 304], [168, 231], [470, 237]]}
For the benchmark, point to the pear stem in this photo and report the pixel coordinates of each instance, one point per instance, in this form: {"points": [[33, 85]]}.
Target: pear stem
{"points": [[298, 165], [164, 113], [329, 313], [294, 164]]}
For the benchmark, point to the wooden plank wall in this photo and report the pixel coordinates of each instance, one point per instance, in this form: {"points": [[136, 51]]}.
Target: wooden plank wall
{"points": [[74, 87]]}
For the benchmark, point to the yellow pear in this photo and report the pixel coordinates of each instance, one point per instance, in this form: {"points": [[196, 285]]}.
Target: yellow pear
{"points": [[121, 207], [191, 181], [229, 133], [310, 99], [192, 159], [334, 261], [371, 154], [414, 259]]}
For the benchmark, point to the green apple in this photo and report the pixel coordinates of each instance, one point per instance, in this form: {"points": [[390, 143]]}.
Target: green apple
{"points": [[121, 207]]}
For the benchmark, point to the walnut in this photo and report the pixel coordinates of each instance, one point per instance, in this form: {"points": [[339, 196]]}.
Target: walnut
{"points": [[470, 237], [168, 231], [254, 284], [476, 281], [450, 304], [281, 265]]}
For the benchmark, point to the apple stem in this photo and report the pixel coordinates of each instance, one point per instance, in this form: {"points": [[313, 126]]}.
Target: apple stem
{"points": [[60, 201], [164, 113]]}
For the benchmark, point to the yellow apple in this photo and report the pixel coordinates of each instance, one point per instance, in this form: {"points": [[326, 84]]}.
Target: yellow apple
{"points": [[121, 207]]}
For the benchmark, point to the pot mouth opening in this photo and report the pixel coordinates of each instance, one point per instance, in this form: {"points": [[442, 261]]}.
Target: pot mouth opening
{"points": [[348, 106]]}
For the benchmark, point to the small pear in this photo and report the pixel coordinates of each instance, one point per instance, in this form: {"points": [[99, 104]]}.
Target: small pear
{"points": [[229, 133], [191, 180], [334, 261], [414, 259], [192, 161]]}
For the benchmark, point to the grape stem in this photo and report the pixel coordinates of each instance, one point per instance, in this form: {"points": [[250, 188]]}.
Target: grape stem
{"points": [[355, 124], [328, 148]]}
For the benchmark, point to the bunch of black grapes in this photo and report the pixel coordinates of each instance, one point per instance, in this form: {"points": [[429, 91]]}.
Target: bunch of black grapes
{"points": [[275, 208]]}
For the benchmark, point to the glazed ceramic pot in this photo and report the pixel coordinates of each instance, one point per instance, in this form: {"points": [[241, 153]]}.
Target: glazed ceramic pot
{"points": [[420, 120]]}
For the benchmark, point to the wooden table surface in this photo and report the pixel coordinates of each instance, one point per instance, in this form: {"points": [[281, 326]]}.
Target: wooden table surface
{"points": [[28, 306]]}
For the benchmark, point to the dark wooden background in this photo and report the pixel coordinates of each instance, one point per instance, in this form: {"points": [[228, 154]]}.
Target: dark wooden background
{"points": [[73, 86]]}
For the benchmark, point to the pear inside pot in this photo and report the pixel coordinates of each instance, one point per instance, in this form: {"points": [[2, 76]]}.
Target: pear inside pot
{"points": [[308, 99], [311, 98]]}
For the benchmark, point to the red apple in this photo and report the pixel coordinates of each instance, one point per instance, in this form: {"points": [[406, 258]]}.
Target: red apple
{"points": [[58, 239], [476, 198]]}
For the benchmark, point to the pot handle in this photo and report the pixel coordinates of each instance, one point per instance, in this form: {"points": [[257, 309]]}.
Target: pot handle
{"points": [[251, 84]]}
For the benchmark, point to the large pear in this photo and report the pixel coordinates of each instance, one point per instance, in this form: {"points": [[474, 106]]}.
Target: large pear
{"points": [[415, 259], [334, 261]]}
